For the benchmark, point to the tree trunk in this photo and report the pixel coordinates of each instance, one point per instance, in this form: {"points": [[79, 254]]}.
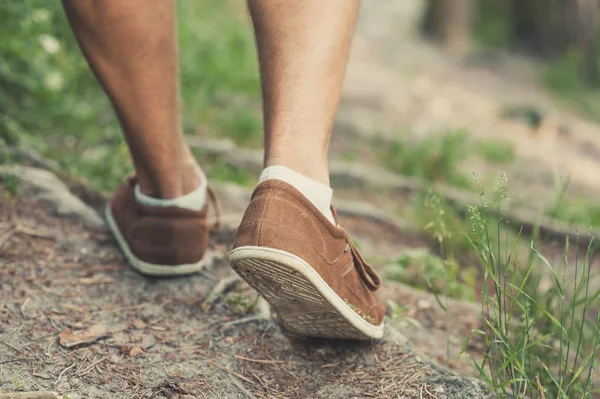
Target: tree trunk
{"points": [[449, 22]]}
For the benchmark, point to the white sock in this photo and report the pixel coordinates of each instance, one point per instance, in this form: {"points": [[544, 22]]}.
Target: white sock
{"points": [[194, 201], [316, 192]]}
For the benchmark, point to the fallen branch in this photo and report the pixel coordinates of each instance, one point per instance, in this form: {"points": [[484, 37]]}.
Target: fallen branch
{"points": [[16, 360]]}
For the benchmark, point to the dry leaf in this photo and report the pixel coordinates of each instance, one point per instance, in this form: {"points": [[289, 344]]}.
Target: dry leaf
{"points": [[68, 338], [137, 323], [136, 350]]}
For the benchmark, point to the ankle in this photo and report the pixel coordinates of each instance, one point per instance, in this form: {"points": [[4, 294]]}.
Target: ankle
{"points": [[171, 184], [312, 168]]}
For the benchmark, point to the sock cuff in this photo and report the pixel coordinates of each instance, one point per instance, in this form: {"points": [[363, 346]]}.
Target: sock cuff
{"points": [[316, 192], [194, 200]]}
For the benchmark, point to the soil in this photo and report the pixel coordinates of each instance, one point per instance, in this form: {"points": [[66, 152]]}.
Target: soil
{"points": [[176, 338]]}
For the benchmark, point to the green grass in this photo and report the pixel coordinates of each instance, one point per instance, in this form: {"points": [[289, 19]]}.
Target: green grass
{"points": [[11, 184], [439, 219], [17, 385], [226, 173], [435, 158], [564, 78], [398, 315], [422, 269], [540, 342], [239, 301], [540, 325], [582, 211], [350, 157], [219, 70], [496, 151]]}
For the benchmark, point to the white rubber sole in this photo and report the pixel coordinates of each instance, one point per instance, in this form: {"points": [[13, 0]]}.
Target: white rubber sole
{"points": [[304, 302], [149, 269]]}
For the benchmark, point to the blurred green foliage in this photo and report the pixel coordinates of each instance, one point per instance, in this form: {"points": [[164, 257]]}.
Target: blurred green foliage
{"points": [[434, 158], [50, 101], [564, 78], [421, 269], [565, 72], [496, 151], [224, 172], [492, 27], [581, 212], [219, 70], [45, 83], [48, 97]]}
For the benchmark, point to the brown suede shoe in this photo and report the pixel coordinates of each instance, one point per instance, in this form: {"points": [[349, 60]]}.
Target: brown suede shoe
{"points": [[306, 268], [158, 241]]}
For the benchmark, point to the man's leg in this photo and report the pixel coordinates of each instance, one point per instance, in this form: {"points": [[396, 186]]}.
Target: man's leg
{"points": [[132, 48], [289, 246], [303, 49], [159, 217]]}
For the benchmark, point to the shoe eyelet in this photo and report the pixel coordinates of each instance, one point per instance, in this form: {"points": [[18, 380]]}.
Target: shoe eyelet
{"points": [[347, 248]]}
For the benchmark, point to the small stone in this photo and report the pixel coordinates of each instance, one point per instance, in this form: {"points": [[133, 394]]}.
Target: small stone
{"points": [[147, 342]]}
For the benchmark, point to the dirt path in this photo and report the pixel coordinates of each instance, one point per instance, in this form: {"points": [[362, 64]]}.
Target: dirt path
{"points": [[176, 338]]}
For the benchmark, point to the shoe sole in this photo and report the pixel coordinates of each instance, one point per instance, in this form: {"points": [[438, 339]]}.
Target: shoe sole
{"points": [[304, 302], [146, 268]]}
